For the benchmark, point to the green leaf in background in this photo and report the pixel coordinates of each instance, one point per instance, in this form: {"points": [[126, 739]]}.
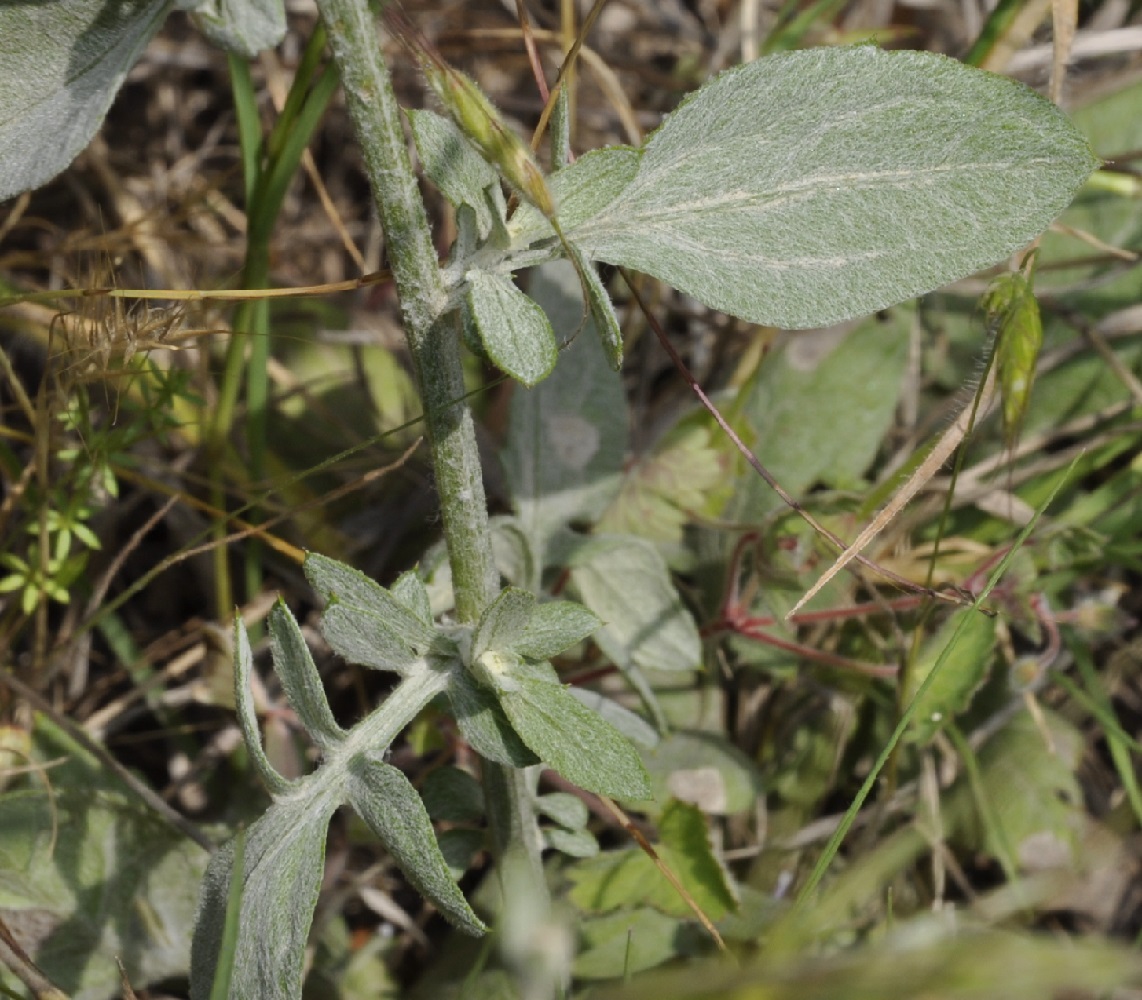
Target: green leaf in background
{"points": [[514, 330], [88, 873], [451, 162], [244, 27], [1032, 804], [705, 770], [686, 474], [809, 187], [453, 795], [629, 878], [568, 436], [62, 64], [385, 799], [859, 371], [920, 960], [961, 674], [625, 943], [627, 584], [568, 810], [573, 740]]}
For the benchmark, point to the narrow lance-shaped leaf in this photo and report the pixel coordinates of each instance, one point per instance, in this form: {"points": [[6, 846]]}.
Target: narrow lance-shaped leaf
{"points": [[294, 664], [809, 187], [247, 716], [385, 799]]}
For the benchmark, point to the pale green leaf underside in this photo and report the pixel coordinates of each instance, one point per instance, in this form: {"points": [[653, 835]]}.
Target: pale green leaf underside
{"points": [[61, 64], [513, 329], [809, 187], [244, 27]]}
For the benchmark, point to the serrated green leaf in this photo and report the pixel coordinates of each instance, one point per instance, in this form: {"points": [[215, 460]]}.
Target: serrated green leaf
{"points": [[960, 676], [283, 864], [483, 724], [809, 187], [664, 491], [385, 799], [453, 795], [452, 163], [410, 591], [503, 622], [567, 437], [61, 64], [514, 330], [335, 581], [573, 740], [248, 716], [625, 943], [294, 664], [630, 878], [244, 27], [554, 627], [625, 582]]}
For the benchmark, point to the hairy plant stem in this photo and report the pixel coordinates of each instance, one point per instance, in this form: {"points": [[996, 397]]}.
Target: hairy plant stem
{"points": [[435, 348]]}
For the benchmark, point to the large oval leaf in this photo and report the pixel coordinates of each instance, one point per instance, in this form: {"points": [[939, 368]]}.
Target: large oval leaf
{"points": [[61, 64], [813, 186]]}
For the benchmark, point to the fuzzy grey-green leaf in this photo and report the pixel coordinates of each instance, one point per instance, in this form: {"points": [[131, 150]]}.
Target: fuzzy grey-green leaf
{"points": [[361, 637], [409, 590], [336, 581], [282, 868], [513, 329], [294, 664], [574, 740], [244, 27], [503, 622], [61, 64], [452, 163], [483, 724], [385, 799], [554, 627], [809, 187], [247, 715]]}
